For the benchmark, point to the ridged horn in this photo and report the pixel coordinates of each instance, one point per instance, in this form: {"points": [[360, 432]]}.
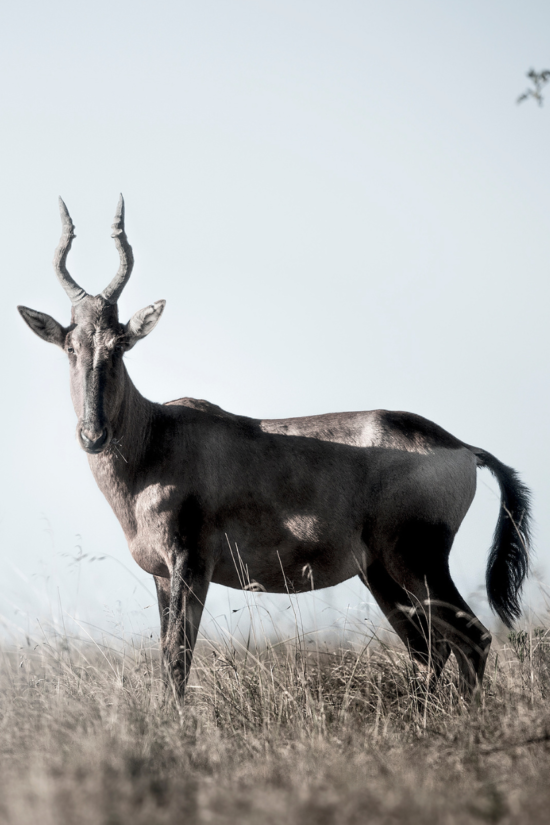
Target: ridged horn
{"points": [[75, 292], [113, 291]]}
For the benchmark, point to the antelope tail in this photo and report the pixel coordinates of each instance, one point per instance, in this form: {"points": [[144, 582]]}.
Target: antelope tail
{"points": [[508, 562]]}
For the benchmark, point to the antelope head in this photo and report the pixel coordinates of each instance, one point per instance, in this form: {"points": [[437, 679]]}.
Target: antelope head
{"points": [[95, 341]]}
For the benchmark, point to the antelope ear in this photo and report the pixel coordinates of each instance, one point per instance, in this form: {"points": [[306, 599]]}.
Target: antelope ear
{"points": [[44, 325], [143, 322]]}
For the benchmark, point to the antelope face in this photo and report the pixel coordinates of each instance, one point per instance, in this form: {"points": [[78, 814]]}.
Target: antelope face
{"points": [[95, 346], [95, 341]]}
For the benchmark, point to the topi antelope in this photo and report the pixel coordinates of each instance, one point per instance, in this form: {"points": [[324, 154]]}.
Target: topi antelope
{"points": [[321, 498]]}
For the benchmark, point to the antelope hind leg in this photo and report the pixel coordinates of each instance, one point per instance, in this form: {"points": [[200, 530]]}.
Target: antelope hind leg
{"points": [[423, 641], [419, 562]]}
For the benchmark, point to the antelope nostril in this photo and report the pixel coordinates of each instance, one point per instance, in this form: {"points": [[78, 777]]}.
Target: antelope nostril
{"points": [[92, 442]]}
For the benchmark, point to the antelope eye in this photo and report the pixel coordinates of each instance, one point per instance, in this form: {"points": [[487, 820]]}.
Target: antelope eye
{"points": [[70, 349], [118, 347]]}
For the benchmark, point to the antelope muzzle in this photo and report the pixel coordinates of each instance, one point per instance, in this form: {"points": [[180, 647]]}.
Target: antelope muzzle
{"points": [[93, 439]]}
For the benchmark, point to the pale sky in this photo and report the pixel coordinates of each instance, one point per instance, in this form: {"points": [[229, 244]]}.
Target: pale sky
{"points": [[344, 208]]}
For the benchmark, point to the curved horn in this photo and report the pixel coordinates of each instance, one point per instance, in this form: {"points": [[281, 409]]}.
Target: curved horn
{"points": [[75, 292], [112, 292]]}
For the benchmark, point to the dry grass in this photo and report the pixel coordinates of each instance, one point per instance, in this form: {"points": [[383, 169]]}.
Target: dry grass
{"points": [[280, 735]]}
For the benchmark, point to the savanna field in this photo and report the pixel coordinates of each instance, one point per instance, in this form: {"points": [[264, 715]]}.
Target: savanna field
{"points": [[293, 731]]}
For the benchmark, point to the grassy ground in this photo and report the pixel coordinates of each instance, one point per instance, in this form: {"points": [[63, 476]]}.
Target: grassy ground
{"points": [[285, 735]]}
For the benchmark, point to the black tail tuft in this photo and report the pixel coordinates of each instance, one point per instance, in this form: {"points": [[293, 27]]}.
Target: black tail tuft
{"points": [[508, 562]]}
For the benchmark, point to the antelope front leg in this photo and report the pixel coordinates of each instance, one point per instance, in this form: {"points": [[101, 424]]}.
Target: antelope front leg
{"points": [[163, 596], [188, 589]]}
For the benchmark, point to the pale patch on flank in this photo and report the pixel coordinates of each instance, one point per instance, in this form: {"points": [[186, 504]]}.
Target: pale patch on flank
{"points": [[155, 498], [305, 528], [370, 434], [354, 430], [279, 428], [417, 444]]}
